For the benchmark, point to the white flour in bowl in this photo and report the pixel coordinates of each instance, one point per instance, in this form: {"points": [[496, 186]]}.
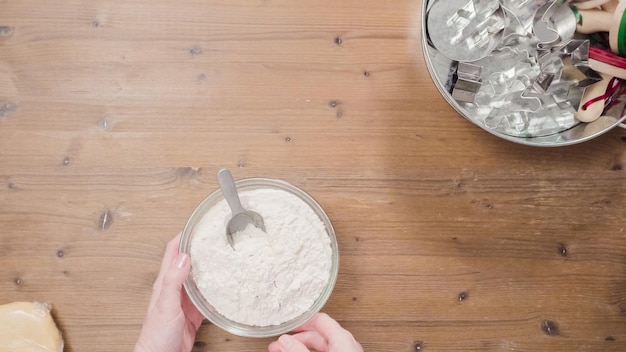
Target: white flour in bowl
{"points": [[270, 277]]}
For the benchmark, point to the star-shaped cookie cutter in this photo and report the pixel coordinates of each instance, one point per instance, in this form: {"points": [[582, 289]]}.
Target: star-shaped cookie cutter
{"points": [[568, 67]]}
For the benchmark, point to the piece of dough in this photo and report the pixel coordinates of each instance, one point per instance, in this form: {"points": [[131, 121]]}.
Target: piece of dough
{"points": [[28, 327]]}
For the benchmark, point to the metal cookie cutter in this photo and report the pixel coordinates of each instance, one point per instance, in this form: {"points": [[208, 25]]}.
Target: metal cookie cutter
{"points": [[465, 30], [468, 82], [523, 10], [508, 72], [575, 73], [554, 24]]}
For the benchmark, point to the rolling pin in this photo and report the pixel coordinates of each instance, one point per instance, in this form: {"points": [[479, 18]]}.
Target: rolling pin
{"points": [[588, 112], [590, 4], [610, 66], [605, 20], [611, 17]]}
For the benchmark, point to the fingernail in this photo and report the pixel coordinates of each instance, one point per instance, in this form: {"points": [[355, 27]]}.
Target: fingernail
{"points": [[181, 260], [285, 341]]}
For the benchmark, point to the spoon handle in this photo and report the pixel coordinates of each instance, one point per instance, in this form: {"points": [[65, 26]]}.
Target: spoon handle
{"points": [[229, 189]]}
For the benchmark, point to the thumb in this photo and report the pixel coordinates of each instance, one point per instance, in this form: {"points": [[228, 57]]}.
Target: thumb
{"points": [[169, 299], [289, 343]]}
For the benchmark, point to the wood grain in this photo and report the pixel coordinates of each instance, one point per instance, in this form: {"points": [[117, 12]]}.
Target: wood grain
{"points": [[115, 116]]}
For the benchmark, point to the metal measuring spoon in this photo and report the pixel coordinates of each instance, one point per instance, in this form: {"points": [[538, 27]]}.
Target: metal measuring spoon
{"points": [[241, 217]]}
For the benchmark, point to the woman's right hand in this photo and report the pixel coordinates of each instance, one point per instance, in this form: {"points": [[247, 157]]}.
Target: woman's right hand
{"points": [[321, 333]]}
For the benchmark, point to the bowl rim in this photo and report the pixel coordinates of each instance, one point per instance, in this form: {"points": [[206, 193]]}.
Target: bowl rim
{"points": [[205, 308]]}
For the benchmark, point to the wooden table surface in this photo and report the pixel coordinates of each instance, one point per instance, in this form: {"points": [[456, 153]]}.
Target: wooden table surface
{"points": [[115, 116]]}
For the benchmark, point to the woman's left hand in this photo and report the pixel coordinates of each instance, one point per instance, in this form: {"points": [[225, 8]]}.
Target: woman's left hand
{"points": [[172, 320]]}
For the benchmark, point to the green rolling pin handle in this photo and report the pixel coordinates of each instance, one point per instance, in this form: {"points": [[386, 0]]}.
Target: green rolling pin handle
{"points": [[621, 35]]}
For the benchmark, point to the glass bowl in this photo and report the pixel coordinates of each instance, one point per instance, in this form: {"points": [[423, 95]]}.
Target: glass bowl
{"points": [[208, 310]]}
